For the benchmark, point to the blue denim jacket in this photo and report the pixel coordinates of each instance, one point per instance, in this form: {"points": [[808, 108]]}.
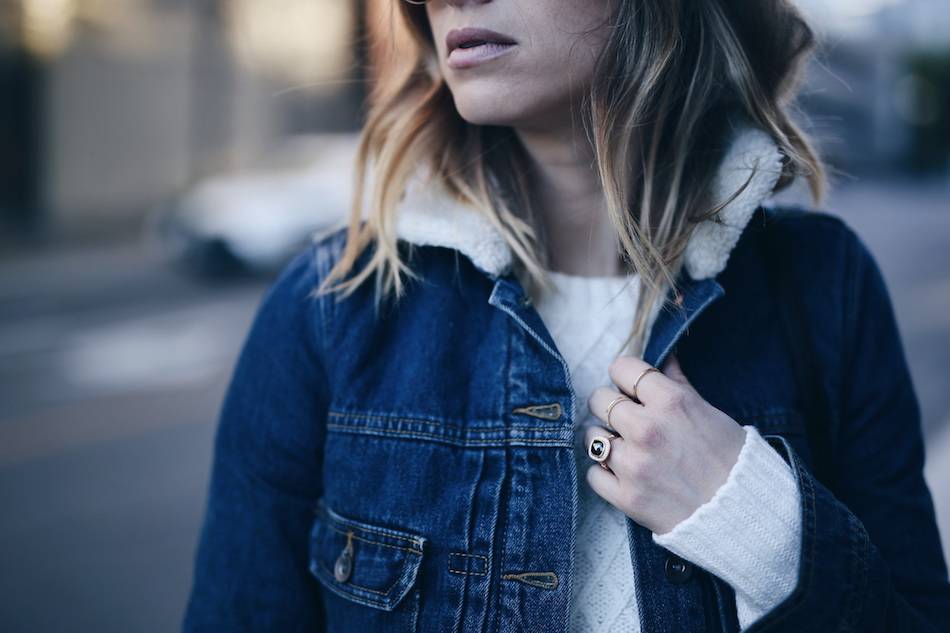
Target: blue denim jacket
{"points": [[412, 469]]}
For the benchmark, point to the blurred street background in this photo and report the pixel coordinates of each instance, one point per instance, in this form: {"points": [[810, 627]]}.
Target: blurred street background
{"points": [[161, 159]]}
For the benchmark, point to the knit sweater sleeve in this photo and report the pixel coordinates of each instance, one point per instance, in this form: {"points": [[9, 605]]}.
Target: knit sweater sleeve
{"points": [[749, 532]]}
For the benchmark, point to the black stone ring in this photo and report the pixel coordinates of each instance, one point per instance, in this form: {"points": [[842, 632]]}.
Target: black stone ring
{"points": [[599, 449]]}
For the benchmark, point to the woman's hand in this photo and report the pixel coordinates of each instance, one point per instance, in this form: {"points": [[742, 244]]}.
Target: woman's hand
{"points": [[674, 451]]}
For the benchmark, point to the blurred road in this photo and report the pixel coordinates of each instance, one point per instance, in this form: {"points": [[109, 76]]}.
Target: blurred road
{"points": [[111, 372], [112, 369]]}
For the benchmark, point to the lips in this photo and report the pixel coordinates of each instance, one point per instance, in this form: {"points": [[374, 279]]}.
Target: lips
{"points": [[472, 46], [470, 37]]}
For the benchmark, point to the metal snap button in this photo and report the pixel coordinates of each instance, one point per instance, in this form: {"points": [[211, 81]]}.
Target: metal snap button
{"points": [[678, 570], [344, 562]]}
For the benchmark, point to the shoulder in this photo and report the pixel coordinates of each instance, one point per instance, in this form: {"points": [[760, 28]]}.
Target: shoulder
{"points": [[797, 223], [814, 255], [328, 243], [290, 305], [816, 240], [311, 263]]}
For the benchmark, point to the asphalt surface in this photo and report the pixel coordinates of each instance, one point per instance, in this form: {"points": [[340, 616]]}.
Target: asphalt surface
{"points": [[112, 369]]}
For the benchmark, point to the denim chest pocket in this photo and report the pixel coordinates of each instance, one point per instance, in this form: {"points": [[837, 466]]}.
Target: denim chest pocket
{"points": [[782, 420], [373, 568]]}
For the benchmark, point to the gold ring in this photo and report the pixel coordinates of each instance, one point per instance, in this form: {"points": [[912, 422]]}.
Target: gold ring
{"points": [[637, 382], [610, 407]]}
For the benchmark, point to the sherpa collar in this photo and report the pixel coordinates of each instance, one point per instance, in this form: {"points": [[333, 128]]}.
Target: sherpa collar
{"points": [[428, 215]]}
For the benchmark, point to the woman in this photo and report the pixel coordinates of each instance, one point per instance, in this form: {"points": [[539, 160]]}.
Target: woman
{"points": [[589, 407]]}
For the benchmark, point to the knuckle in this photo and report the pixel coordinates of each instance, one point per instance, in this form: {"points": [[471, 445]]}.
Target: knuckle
{"points": [[678, 400], [617, 365], [650, 434], [642, 468], [635, 496]]}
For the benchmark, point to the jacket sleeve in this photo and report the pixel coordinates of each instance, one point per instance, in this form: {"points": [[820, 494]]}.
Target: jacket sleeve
{"points": [[251, 568], [871, 558]]}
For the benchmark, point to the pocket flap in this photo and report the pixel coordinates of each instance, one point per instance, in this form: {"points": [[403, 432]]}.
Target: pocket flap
{"points": [[370, 564]]}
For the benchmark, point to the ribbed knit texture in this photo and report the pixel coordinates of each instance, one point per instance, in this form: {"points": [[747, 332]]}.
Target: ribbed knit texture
{"points": [[747, 534]]}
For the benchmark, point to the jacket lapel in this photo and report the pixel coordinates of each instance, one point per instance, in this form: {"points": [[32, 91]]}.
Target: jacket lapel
{"points": [[670, 324], [429, 215]]}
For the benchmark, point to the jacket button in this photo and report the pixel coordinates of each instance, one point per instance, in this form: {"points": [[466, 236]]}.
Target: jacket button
{"points": [[678, 570], [343, 566], [344, 562]]}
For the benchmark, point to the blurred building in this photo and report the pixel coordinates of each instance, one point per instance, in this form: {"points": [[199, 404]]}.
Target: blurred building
{"points": [[878, 94], [110, 106]]}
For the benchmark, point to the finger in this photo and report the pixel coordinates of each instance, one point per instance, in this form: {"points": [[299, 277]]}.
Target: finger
{"points": [[622, 416], [653, 386], [605, 483], [620, 455], [593, 430]]}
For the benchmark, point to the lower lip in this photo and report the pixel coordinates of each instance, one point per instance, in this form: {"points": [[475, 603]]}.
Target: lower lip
{"points": [[467, 57]]}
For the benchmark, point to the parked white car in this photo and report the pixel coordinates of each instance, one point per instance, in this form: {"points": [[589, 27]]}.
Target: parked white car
{"points": [[255, 219]]}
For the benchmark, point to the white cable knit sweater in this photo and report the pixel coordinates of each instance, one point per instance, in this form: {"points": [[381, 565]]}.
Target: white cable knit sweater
{"points": [[748, 534]]}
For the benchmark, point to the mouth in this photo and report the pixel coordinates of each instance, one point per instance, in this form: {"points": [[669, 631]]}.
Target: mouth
{"points": [[471, 46]]}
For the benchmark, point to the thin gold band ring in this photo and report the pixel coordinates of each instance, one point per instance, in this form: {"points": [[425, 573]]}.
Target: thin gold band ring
{"points": [[611, 406], [637, 382]]}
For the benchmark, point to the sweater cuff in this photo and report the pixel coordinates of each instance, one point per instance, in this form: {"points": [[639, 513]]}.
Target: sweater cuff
{"points": [[749, 532]]}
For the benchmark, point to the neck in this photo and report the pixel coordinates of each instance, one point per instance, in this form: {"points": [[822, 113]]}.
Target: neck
{"points": [[570, 202]]}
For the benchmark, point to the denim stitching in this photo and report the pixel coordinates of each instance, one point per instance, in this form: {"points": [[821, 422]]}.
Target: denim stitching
{"points": [[386, 593], [338, 518], [410, 420], [564, 366], [366, 540], [502, 495], [484, 559], [465, 442], [338, 413], [318, 571]]}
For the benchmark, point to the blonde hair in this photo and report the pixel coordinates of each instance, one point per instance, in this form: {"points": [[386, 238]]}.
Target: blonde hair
{"points": [[670, 77]]}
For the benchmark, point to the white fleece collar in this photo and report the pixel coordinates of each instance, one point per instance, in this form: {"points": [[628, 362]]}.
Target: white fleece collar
{"points": [[428, 215]]}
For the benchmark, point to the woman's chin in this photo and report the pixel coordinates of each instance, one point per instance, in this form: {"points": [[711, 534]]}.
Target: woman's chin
{"points": [[500, 107], [488, 114]]}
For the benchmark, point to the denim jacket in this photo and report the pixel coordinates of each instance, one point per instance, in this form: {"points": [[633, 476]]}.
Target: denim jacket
{"points": [[411, 469]]}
